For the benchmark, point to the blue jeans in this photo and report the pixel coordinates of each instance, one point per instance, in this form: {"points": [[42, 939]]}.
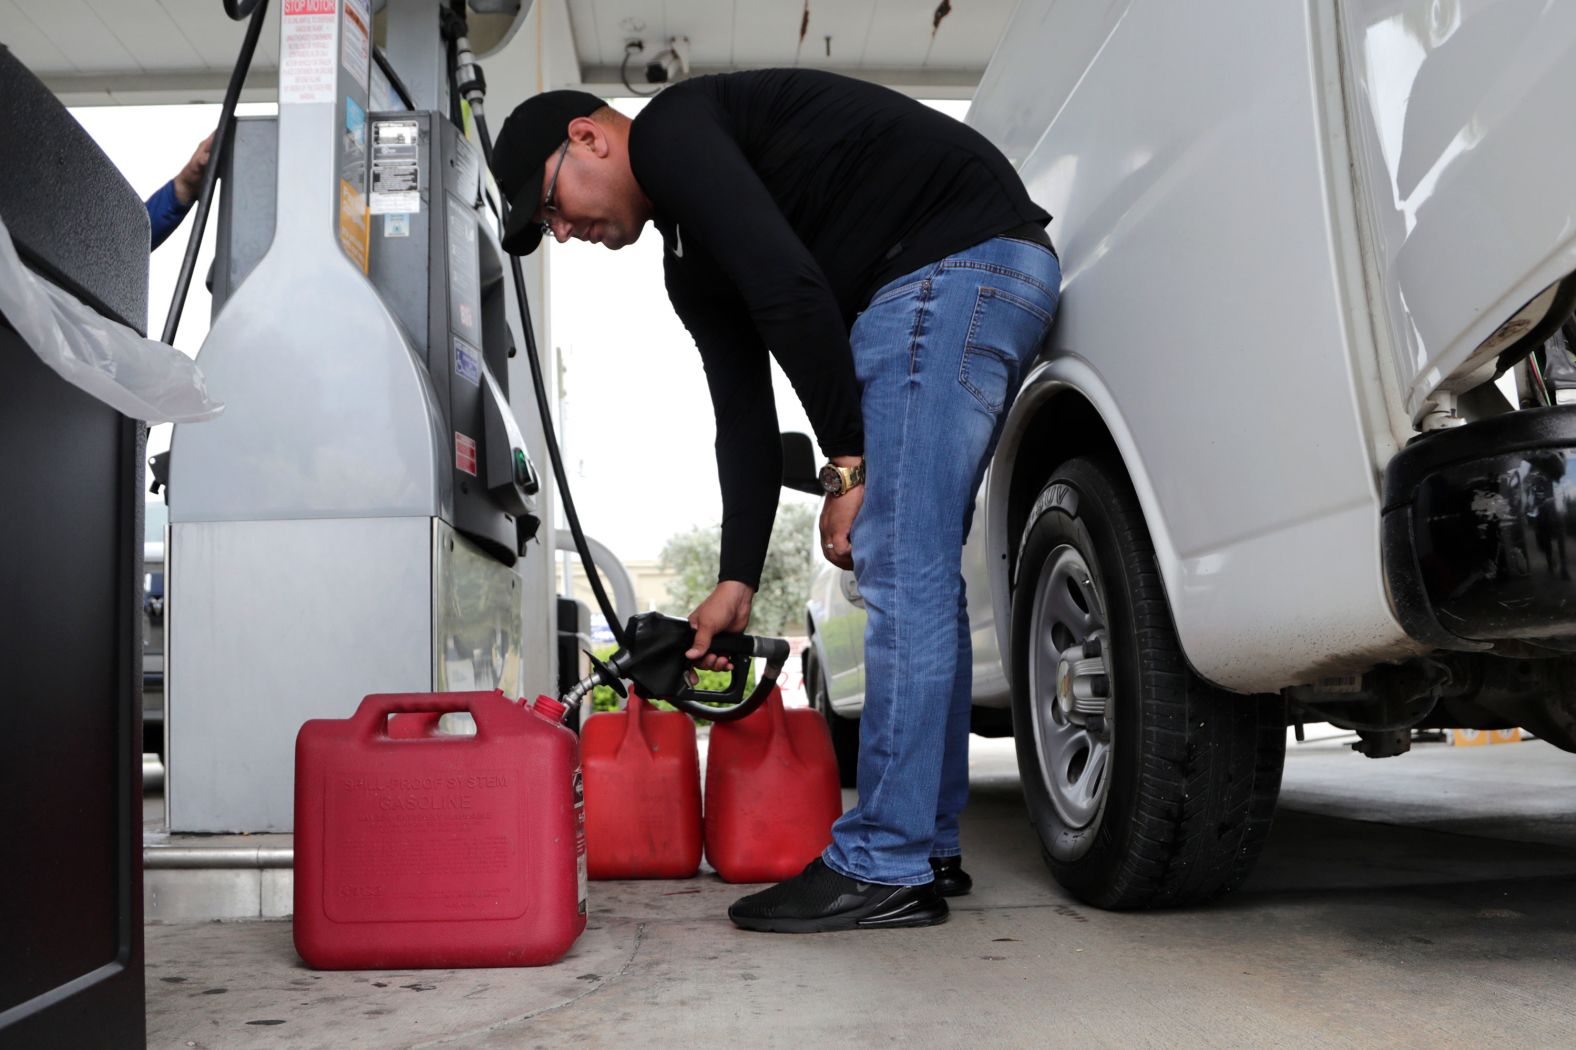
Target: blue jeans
{"points": [[939, 354]]}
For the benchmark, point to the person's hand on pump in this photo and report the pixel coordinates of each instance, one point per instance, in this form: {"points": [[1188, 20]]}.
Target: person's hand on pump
{"points": [[188, 181], [726, 609], [838, 514]]}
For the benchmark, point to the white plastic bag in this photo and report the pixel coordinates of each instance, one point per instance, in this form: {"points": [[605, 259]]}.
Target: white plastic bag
{"points": [[140, 378]]}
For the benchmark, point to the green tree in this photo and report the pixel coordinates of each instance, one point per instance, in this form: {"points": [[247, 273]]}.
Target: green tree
{"points": [[778, 608]]}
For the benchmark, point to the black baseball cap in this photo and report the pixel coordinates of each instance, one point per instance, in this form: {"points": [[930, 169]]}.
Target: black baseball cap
{"points": [[533, 132]]}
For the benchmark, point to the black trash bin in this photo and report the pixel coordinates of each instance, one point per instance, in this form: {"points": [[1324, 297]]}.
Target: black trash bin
{"points": [[71, 471]]}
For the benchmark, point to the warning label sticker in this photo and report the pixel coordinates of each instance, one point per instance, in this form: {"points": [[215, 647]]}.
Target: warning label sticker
{"points": [[467, 362], [355, 225], [396, 167], [465, 453], [355, 50], [306, 51], [578, 788]]}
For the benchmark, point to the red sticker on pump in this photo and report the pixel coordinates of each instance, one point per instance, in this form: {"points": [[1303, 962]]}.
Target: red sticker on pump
{"points": [[465, 453]]}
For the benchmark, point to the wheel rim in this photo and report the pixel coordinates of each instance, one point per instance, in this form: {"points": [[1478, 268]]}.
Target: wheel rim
{"points": [[1069, 688]]}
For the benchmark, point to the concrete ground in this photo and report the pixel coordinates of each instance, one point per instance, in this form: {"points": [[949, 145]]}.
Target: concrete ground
{"points": [[1426, 901]]}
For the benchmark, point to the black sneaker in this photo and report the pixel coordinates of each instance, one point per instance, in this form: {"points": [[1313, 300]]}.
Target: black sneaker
{"points": [[951, 879], [819, 900]]}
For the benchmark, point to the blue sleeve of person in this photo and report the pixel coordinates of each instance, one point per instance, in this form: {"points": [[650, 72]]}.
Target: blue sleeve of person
{"points": [[165, 213]]}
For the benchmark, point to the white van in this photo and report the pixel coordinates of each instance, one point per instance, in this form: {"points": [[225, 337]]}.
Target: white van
{"points": [[1264, 472]]}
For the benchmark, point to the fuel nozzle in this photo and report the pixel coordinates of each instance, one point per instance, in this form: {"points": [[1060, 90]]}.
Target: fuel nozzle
{"points": [[654, 660], [601, 674]]}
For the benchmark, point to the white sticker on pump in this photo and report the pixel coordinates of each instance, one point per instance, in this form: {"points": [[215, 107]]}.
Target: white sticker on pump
{"points": [[307, 51], [396, 167]]}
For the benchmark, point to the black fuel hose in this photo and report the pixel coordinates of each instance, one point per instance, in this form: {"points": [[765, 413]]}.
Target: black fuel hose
{"points": [[236, 9]]}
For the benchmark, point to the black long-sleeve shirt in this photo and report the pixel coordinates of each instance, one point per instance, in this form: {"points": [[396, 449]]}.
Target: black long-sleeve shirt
{"points": [[785, 198]]}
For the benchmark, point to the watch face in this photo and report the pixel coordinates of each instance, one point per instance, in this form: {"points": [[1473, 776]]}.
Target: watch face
{"points": [[831, 480]]}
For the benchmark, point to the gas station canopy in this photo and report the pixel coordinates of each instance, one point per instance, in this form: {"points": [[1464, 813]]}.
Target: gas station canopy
{"points": [[95, 52]]}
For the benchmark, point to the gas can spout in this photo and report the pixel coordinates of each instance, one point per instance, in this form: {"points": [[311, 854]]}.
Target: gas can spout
{"points": [[654, 660]]}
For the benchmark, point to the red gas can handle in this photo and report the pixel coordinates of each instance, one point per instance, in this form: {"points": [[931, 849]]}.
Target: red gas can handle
{"points": [[372, 716]]}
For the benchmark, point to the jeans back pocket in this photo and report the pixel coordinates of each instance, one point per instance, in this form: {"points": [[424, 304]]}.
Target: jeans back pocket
{"points": [[1005, 331]]}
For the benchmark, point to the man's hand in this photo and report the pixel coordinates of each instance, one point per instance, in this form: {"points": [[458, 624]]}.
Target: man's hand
{"points": [[726, 609], [188, 181], [837, 521]]}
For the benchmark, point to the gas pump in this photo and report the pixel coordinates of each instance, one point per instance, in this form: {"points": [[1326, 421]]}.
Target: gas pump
{"points": [[363, 517]]}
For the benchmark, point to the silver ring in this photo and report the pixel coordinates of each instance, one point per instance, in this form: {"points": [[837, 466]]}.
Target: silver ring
{"points": [[829, 546]]}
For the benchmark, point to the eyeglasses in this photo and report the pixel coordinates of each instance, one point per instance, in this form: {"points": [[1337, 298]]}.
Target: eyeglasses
{"points": [[549, 209]]}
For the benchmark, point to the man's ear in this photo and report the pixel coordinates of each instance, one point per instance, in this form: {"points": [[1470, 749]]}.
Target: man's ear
{"points": [[585, 133]]}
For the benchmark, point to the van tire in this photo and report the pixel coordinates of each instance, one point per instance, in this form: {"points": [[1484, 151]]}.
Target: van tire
{"points": [[1189, 775]]}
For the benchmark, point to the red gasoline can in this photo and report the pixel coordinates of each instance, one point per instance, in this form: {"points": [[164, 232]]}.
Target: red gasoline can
{"points": [[642, 773], [772, 793], [436, 850]]}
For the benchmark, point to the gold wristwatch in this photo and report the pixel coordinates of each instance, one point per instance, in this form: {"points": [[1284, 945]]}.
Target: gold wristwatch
{"points": [[836, 480]]}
